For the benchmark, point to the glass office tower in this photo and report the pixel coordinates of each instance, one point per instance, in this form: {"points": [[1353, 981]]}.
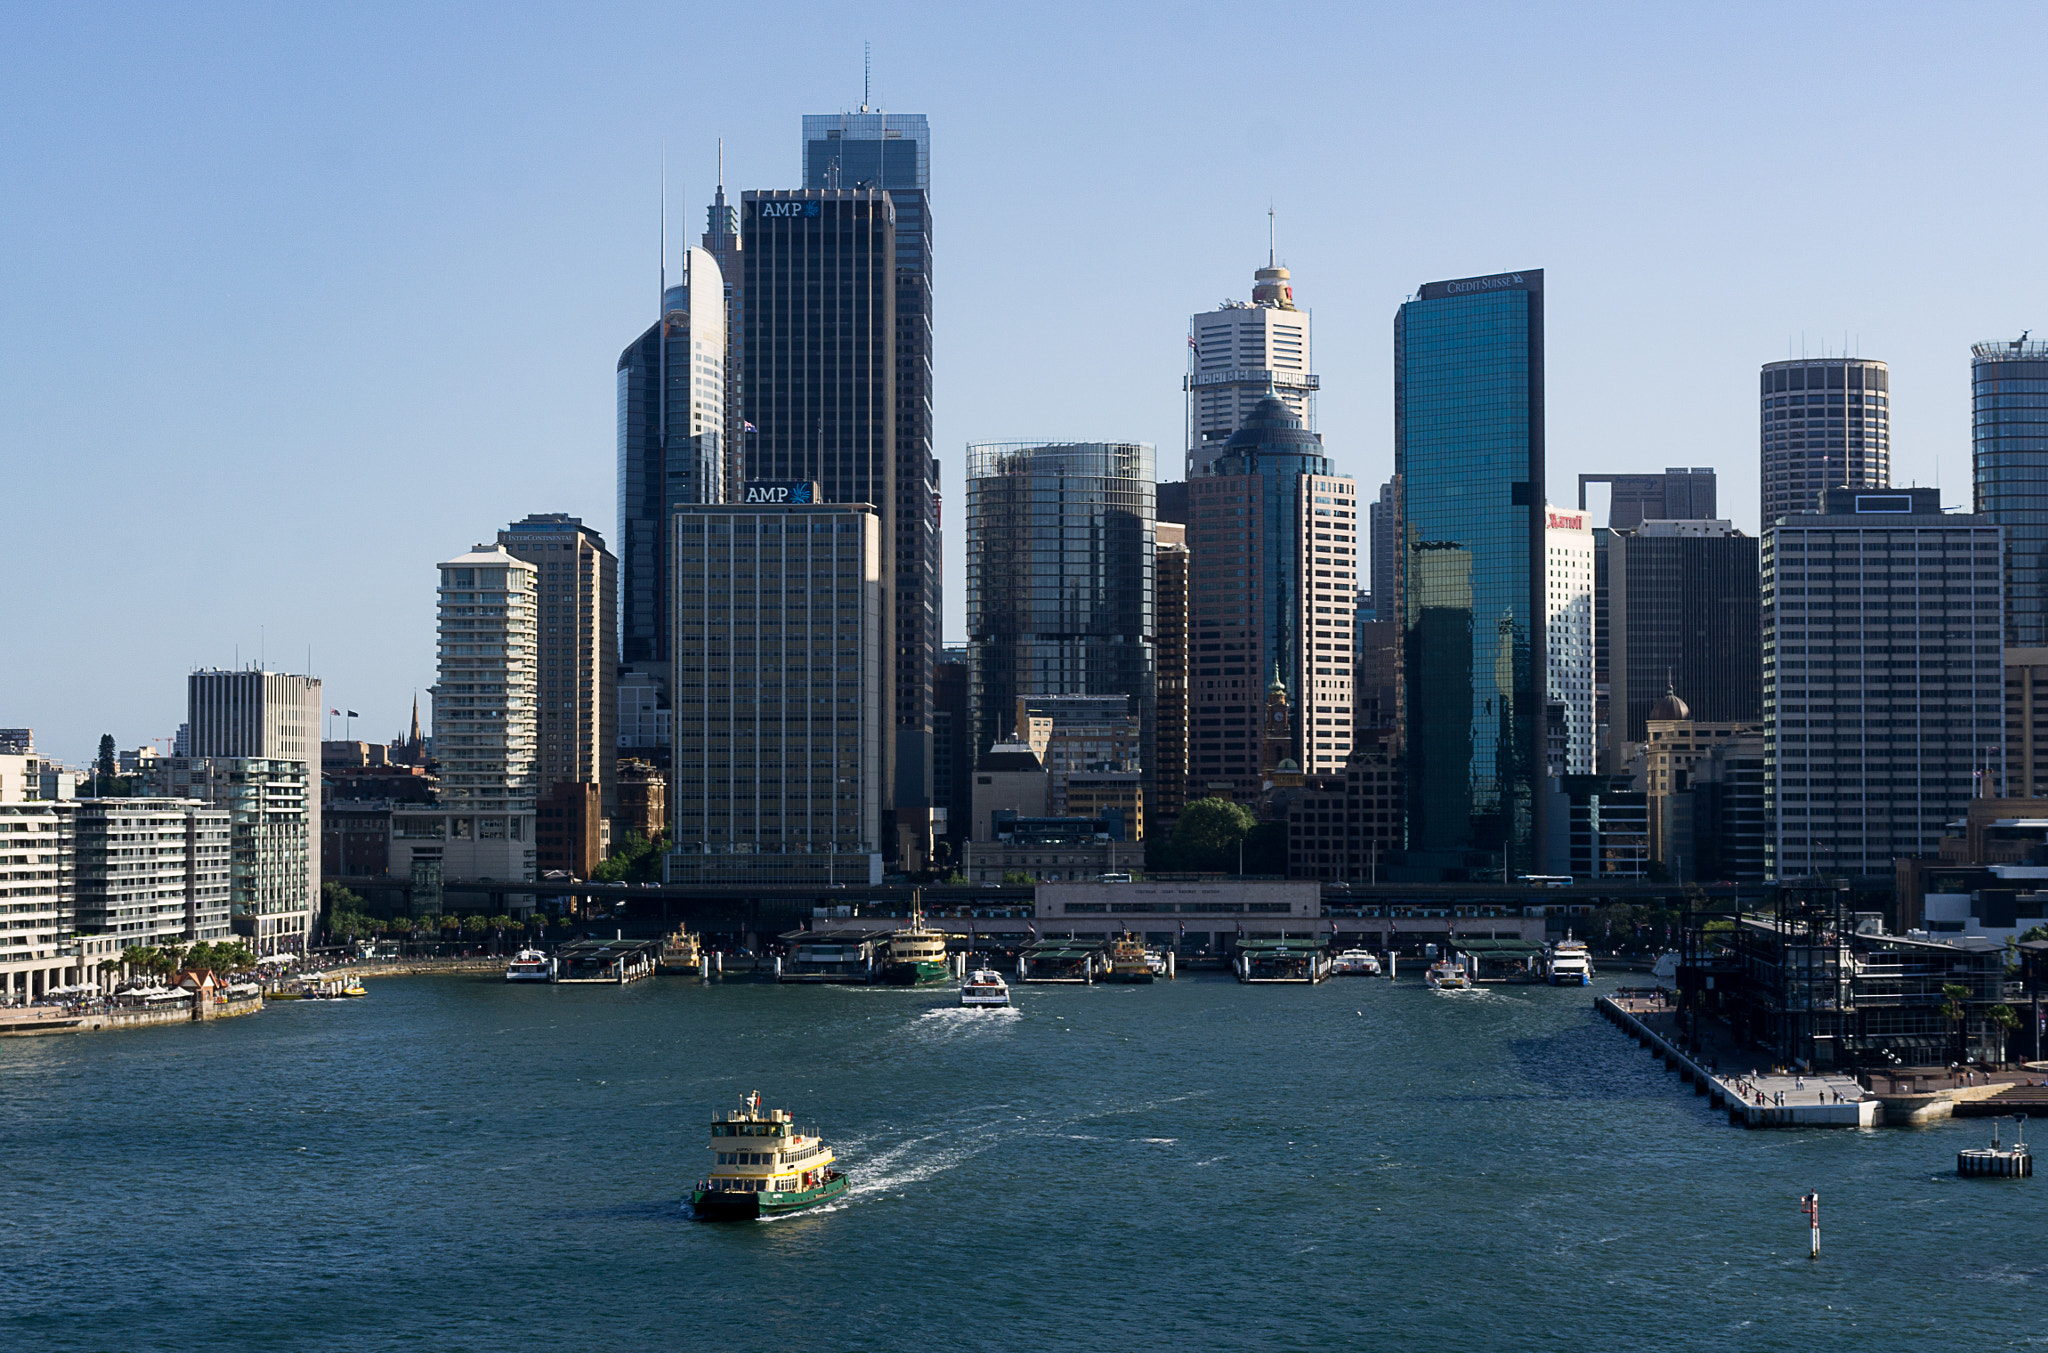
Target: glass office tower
{"points": [[1059, 579], [1468, 448], [892, 152], [2009, 397], [671, 393]]}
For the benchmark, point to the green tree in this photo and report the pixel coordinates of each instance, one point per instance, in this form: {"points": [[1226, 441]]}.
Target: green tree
{"points": [[474, 926], [1016, 876], [1209, 833], [2006, 1019], [105, 765], [1953, 1009], [634, 859]]}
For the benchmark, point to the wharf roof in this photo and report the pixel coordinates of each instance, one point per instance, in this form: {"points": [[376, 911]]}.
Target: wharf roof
{"points": [[1483, 947]]}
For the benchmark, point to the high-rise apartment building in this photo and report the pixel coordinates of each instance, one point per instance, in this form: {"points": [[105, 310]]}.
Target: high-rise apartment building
{"points": [[1168, 771], [1383, 546], [672, 422], [1243, 352], [1883, 678], [272, 853], [1060, 542], [1568, 630], [2009, 403], [1273, 550], [891, 152], [1468, 450], [576, 648], [1677, 494], [1682, 611], [780, 724], [155, 871], [484, 704], [1825, 423]]}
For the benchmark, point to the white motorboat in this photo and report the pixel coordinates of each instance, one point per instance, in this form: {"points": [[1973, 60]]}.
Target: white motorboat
{"points": [[530, 965], [1448, 975], [1355, 963], [1568, 964], [984, 988]]}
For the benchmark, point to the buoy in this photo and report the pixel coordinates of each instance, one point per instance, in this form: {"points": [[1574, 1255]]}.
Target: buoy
{"points": [[1997, 1161]]}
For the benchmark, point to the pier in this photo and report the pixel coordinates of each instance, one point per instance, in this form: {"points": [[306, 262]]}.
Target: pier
{"points": [[1753, 1099]]}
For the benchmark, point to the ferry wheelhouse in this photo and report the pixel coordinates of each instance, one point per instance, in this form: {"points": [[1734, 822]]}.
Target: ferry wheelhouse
{"points": [[764, 1166], [1355, 963], [1128, 961], [1569, 964], [530, 965], [984, 989]]}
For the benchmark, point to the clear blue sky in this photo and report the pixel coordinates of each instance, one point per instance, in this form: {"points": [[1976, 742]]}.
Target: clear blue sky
{"points": [[299, 300]]}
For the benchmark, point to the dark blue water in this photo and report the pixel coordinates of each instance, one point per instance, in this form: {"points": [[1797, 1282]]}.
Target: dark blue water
{"points": [[457, 1164]]}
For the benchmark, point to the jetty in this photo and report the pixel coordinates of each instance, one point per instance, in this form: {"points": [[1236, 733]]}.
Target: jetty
{"points": [[1752, 1099], [613, 962]]}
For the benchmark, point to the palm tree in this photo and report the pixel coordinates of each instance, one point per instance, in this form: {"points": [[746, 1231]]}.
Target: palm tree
{"points": [[2006, 1019], [1956, 1013]]}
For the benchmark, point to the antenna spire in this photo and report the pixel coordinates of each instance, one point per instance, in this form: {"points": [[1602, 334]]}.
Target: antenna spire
{"points": [[867, 73], [721, 164], [1270, 259]]}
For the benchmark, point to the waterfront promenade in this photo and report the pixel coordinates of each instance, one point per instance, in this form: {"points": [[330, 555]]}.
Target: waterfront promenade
{"points": [[1753, 1096]]}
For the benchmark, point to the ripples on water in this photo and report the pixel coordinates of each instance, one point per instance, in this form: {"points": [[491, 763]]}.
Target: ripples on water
{"points": [[459, 1164]]}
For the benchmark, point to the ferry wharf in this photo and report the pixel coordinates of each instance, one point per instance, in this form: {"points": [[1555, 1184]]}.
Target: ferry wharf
{"points": [[1752, 1099]]}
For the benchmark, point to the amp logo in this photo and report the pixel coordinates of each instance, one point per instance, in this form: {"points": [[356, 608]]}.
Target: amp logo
{"points": [[789, 209]]}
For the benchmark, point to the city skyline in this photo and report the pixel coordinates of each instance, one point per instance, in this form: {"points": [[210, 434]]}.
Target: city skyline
{"points": [[431, 362]]}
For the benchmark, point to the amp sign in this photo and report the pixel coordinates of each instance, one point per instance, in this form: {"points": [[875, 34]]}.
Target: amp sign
{"points": [[789, 208], [780, 491]]}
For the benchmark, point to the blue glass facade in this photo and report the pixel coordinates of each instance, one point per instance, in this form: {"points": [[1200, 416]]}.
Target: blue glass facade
{"points": [[1468, 450], [2009, 400]]}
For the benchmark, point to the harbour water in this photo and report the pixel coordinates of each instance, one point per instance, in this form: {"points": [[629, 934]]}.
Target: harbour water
{"points": [[454, 1163]]}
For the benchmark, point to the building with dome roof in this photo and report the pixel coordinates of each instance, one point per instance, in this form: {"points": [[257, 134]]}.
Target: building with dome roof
{"points": [[1273, 546], [1243, 352]]}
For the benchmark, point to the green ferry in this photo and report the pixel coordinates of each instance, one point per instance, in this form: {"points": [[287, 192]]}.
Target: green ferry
{"points": [[764, 1167], [916, 957]]}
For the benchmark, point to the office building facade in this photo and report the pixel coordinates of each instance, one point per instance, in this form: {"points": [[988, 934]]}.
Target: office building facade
{"points": [[671, 439], [1683, 612], [274, 834], [1883, 678], [2009, 462], [2026, 720], [272, 719], [1469, 452], [780, 720], [254, 713], [1568, 631], [1273, 550], [1167, 773], [1825, 423], [1676, 495], [485, 727], [891, 152], [1243, 352], [576, 651], [1060, 542]]}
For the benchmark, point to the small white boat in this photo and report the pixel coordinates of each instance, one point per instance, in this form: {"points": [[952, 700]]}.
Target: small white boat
{"points": [[1666, 969], [1355, 963], [530, 965], [1448, 975], [1156, 961], [984, 987]]}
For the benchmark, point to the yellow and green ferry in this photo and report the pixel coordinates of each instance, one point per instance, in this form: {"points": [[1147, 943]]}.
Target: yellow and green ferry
{"points": [[915, 956], [764, 1166]]}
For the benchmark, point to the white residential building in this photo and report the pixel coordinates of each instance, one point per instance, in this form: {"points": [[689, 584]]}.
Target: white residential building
{"points": [[1568, 630], [577, 650], [1238, 354], [152, 871], [485, 726], [38, 949]]}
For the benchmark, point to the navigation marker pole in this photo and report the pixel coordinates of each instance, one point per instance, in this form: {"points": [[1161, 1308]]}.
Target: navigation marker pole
{"points": [[1810, 1204]]}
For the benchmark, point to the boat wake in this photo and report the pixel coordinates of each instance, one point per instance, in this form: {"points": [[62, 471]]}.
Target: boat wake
{"points": [[910, 1163], [943, 1024]]}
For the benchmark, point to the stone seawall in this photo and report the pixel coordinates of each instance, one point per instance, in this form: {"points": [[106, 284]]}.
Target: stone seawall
{"points": [[30, 1024]]}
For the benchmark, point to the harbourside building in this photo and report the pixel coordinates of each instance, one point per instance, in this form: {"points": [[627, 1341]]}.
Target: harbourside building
{"points": [[1568, 632], [153, 871], [38, 863], [1883, 678], [1824, 422], [274, 831], [1243, 352], [1469, 455], [780, 722]]}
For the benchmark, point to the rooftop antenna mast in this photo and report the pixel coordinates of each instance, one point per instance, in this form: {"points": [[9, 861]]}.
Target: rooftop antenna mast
{"points": [[1270, 262], [867, 73]]}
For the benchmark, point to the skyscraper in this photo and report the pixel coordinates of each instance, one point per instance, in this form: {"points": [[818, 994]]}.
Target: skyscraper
{"points": [[892, 152], [1882, 680], [1167, 772], [779, 717], [1568, 630], [821, 386], [1468, 448], [722, 240], [2009, 397], [1825, 422], [1682, 614], [576, 663], [254, 713], [1060, 547], [672, 418], [1240, 353], [1273, 549]]}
